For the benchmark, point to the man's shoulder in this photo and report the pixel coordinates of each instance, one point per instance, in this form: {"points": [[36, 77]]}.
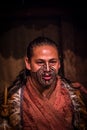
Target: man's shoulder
{"points": [[76, 88], [81, 87], [74, 85]]}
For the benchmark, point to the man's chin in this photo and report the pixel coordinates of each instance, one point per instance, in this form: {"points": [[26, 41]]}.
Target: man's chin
{"points": [[46, 85]]}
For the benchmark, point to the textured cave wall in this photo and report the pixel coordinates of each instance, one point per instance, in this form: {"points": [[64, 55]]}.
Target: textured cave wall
{"points": [[14, 40], [74, 49]]}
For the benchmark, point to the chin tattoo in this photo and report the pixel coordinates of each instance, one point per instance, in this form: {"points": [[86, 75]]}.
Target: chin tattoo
{"points": [[44, 77]]}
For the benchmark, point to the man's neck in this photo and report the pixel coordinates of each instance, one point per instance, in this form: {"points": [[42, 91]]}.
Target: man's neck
{"points": [[45, 91]]}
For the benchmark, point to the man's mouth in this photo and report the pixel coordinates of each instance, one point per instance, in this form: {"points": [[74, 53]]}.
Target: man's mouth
{"points": [[47, 77]]}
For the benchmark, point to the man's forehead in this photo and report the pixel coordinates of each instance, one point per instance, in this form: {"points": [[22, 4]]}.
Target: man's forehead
{"points": [[51, 58], [45, 46]]}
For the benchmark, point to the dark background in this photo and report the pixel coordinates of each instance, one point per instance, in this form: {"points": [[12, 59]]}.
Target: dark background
{"points": [[20, 11]]}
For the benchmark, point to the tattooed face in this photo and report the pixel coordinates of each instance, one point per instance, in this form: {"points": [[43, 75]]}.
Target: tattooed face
{"points": [[45, 78], [44, 64]]}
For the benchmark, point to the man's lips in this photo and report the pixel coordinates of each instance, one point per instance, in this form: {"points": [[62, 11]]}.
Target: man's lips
{"points": [[47, 77]]}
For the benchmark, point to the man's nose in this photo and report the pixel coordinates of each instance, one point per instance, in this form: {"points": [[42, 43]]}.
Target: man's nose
{"points": [[47, 67]]}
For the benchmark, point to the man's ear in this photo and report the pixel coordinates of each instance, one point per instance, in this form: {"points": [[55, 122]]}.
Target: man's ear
{"points": [[27, 63]]}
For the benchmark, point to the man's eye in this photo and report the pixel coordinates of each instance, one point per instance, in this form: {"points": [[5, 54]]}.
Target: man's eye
{"points": [[53, 62], [40, 63]]}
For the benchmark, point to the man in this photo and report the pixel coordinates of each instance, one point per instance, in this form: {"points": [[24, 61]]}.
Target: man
{"points": [[40, 99]]}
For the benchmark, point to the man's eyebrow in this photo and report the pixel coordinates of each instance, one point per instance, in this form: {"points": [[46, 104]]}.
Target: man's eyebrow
{"points": [[39, 59], [54, 59]]}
